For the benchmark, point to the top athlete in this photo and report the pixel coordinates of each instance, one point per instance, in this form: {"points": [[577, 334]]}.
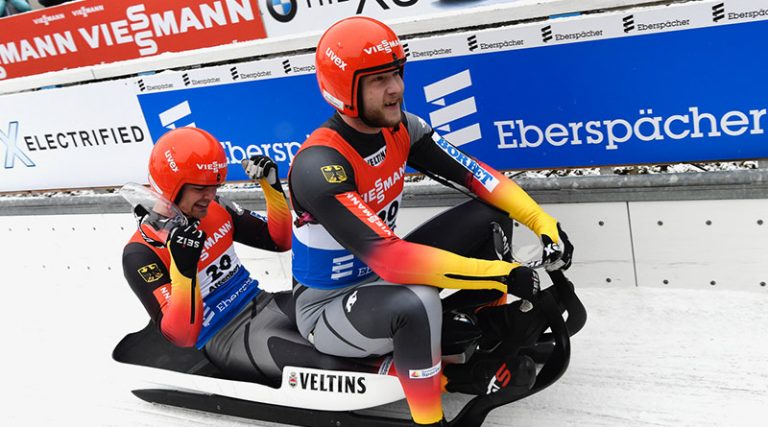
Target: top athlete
{"points": [[359, 289]]}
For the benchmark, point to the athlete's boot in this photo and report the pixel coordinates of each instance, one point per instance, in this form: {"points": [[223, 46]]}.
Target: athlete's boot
{"points": [[487, 374]]}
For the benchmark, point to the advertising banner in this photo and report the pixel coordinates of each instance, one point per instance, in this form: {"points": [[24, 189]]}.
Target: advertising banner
{"points": [[270, 117], [564, 93], [77, 137], [680, 83], [91, 32], [661, 98], [285, 17]]}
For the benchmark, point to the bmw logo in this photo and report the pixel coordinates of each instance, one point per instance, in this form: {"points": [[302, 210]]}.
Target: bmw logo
{"points": [[282, 10]]}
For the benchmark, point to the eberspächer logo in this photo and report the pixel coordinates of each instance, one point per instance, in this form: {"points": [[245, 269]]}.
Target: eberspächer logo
{"points": [[472, 42], [449, 115], [282, 10], [629, 23]]}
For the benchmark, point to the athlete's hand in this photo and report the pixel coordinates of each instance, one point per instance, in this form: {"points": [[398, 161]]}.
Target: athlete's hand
{"points": [[258, 167], [557, 256], [523, 282], [185, 245]]}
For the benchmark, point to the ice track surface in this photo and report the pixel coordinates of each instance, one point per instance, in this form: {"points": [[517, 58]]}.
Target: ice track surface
{"points": [[647, 357]]}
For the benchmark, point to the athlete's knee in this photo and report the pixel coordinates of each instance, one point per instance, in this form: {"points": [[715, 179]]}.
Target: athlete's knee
{"points": [[420, 301]]}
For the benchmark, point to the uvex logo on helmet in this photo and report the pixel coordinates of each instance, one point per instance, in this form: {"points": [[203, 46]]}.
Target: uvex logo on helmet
{"points": [[384, 46], [171, 162], [336, 59]]}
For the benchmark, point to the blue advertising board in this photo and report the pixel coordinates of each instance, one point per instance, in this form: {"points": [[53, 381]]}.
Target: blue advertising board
{"points": [[270, 117], [681, 96]]}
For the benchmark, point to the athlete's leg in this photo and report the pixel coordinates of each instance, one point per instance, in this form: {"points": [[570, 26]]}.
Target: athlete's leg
{"points": [[468, 229], [378, 318], [477, 230], [464, 230], [261, 340]]}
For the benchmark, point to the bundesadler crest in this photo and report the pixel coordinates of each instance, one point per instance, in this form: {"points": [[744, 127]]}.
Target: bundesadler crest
{"points": [[334, 173], [150, 273]]}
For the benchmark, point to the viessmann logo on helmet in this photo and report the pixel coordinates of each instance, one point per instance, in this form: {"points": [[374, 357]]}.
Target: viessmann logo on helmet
{"points": [[385, 46], [213, 166]]}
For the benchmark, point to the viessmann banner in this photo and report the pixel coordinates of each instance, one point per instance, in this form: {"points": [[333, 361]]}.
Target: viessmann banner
{"points": [[678, 96], [90, 32]]}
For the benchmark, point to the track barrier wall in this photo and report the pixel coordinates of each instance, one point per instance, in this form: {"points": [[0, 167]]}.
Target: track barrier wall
{"points": [[649, 231]]}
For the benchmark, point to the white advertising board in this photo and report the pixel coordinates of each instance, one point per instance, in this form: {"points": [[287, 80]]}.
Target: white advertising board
{"points": [[82, 136], [287, 17]]}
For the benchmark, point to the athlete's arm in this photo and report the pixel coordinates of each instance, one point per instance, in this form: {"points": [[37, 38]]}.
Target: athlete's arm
{"points": [[272, 233], [264, 170], [172, 304], [333, 200], [430, 152]]}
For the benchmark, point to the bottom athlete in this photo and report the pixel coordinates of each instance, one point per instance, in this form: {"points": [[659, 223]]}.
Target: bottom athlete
{"points": [[190, 279]]}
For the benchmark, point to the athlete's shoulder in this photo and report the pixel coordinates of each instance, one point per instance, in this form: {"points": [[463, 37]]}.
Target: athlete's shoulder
{"points": [[217, 216], [219, 206], [327, 134], [313, 159], [137, 244], [233, 208], [320, 172], [416, 126], [137, 254]]}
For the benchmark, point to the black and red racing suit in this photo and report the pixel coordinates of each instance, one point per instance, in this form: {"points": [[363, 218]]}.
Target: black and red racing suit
{"points": [[346, 188]]}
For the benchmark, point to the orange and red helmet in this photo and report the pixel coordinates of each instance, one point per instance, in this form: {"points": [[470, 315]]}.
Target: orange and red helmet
{"points": [[350, 49], [186, 156]]}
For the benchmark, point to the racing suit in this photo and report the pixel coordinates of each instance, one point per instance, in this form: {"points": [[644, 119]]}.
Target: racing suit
{"points": [[245, 332], [359, 289]]}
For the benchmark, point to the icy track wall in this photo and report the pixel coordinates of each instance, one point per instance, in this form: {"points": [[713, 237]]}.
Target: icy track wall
{"points": [[642, 232]]}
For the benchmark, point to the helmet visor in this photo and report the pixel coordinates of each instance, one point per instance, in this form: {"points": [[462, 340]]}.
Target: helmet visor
{"points": [[153, 211]]}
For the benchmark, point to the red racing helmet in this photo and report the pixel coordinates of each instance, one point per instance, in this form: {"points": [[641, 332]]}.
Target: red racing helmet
{"points": [[186, 156], [350, 49]]}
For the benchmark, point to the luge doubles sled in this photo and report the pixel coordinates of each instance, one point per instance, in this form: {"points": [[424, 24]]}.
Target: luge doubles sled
{"points": [[314, 397]]}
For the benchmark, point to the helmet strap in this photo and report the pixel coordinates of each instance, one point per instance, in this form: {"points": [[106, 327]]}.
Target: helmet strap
{"points": [[140, 214]]}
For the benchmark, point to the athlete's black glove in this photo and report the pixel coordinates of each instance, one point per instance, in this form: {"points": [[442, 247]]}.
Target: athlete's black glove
{"points": [[523, 282], [484, 374], [185, 245], [557, 256], [258, 167]]}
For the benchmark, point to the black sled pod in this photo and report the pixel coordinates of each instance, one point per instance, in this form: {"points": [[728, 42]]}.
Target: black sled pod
{"points": [[319, 398]]}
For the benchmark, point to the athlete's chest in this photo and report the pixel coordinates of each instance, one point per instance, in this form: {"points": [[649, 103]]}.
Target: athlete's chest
{"points": [[219, 231], [218, 260], [380, 176]]}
